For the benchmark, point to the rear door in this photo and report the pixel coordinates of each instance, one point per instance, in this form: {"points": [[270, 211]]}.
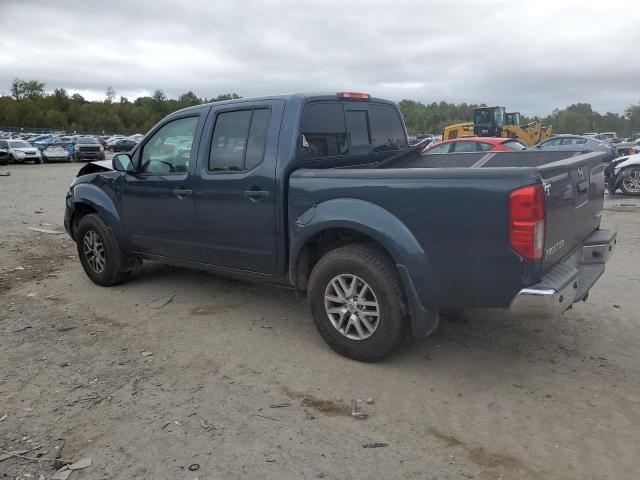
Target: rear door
{"points": [[235, 187], [574, 198]]}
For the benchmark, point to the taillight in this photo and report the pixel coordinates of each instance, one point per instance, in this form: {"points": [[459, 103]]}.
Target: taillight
{"points": [[354, 95], [526, 221]]}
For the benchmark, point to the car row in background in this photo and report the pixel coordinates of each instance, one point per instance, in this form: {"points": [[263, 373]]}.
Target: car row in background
{"points": [[578, 142], [19, 148]]}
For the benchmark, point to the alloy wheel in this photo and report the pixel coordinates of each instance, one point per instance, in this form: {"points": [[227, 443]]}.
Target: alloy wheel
{"points": [[352, 306]]}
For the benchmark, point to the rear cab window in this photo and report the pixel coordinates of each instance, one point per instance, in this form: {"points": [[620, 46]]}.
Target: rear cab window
{"points": [[333, 129]]}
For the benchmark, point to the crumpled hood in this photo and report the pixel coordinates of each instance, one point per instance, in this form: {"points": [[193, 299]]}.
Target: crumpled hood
{"points": [[95, 167]]}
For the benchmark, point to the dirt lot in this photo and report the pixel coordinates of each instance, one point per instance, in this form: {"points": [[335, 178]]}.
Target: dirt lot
{"points": [[239, 383]]}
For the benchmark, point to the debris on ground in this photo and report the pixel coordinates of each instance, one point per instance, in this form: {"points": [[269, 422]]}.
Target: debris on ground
{"points": [[161, 302], [5, 174], [45, 230], [62, 474], [80, 464], [375, 445], [194, 466], [4, 417], [57, 454], [146, 353], [280, 405], [355, 411], [8, 455], [370, 401]]}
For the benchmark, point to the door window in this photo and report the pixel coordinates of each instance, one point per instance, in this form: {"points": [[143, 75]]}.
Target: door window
{"points": [[483, 147], [169, 149], [551, 143], [239, 140]]}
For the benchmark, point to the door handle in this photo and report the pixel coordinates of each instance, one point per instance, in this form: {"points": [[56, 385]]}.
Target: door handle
{"points": [[256, 195], [182, 192]]}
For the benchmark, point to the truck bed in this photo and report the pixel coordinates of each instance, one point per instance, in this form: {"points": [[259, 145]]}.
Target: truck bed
{"points": [[456, 206]]}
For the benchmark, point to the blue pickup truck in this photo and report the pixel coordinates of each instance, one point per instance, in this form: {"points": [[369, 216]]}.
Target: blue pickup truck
{"points": [[322, 193]]}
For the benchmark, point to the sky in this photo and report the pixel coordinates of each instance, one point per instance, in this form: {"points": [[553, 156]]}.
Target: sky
{"points": [[527, 55]]}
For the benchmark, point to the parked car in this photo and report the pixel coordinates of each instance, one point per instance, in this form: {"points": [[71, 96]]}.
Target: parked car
{"points": [[322, 193], [578, 143], [629, 147], [21, 151], [624, 173], [474, 144], [136, 137], [4, 154], [87, 148], [56, 152], [122, 145]]}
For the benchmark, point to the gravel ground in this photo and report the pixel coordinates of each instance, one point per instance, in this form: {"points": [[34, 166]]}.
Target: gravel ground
{"points": [[235, 382]]}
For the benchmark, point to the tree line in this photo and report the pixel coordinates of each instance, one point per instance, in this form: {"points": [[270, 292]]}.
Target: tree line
{"points": [[30, 106]]}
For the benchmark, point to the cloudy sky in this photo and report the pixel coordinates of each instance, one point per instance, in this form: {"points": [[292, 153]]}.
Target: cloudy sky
{"points": [[528, 55]]}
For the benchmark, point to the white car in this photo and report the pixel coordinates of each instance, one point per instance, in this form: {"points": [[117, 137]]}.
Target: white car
{"points": [[624, 173], [135, 137], [21, 151]]}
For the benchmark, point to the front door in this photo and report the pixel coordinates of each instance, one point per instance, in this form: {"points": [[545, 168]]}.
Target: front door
{"points": [[157, 201], [235, 189]]}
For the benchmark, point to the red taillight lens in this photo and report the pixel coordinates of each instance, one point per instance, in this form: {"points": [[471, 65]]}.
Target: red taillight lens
{"points": [[526, 221], [354, 95]]}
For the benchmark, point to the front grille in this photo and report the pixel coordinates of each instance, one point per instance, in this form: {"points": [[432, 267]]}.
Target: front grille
{"points": [[89, 149]]}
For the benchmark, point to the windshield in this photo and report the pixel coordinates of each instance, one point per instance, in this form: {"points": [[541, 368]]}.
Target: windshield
{"points": [[19, 144], [87, 140]]}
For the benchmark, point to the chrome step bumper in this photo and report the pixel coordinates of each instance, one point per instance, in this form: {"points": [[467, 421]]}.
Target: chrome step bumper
{"points": [[569, 281]]}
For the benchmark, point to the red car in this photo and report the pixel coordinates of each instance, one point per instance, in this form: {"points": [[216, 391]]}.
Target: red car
{"points": [[475, 144]]}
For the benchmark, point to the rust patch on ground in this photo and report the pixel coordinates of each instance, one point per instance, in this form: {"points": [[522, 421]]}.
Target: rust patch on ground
{"points": [[327, 407], [482, 457]]}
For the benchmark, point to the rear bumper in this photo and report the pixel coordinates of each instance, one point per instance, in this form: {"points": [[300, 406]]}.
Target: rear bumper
{"points": [[569, 281]]}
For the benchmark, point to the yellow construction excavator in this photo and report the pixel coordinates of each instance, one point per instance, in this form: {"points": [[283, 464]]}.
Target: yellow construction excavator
{"points": [[496, 122]]}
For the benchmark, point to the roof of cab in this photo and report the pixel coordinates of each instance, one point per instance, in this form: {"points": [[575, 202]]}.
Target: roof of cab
{"points": [[302, 97]]}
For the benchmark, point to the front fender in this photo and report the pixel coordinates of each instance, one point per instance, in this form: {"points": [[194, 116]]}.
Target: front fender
{"points": [[102, 202], [391, 233]]}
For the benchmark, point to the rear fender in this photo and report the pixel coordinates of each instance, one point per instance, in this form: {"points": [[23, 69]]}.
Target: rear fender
{"points": [[386, 229], [632, 160]]}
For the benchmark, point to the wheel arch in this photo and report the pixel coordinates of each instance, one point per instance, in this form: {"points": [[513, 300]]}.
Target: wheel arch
{"points": [[340, 222]]}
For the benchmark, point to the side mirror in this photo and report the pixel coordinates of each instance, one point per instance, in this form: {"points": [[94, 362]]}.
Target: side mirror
{"points": [[122, 163]]}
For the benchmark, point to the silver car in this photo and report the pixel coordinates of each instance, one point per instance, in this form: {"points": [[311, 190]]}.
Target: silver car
{"points": [[21, 151]]}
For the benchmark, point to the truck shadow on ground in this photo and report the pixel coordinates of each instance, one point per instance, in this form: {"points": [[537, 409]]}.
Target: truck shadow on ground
{"points": [[495, 337]]}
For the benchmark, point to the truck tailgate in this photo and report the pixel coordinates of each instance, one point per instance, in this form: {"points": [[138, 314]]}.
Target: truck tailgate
{"points": [[574, 198]]}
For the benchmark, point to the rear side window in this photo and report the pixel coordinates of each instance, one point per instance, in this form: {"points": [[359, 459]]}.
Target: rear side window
{"points": [[443, 148], [324, 131], [386, 128], [514, 145], [464, 147], [239, 140]]}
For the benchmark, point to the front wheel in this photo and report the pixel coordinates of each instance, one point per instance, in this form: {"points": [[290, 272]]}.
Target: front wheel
{"points": [[100, 255], [357, 303], [630, 183]]}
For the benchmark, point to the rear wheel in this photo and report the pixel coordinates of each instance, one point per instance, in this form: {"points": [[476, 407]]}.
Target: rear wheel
{"points": [[357, 303], [100, 255], [630, 183]]}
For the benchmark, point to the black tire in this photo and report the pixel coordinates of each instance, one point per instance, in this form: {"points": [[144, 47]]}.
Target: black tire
{"points": [[116, 267], [630, 171], [376, 269], [40, 160]]}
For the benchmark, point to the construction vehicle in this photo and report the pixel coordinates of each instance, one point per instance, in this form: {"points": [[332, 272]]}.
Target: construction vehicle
{"points": [[496, 122]]}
